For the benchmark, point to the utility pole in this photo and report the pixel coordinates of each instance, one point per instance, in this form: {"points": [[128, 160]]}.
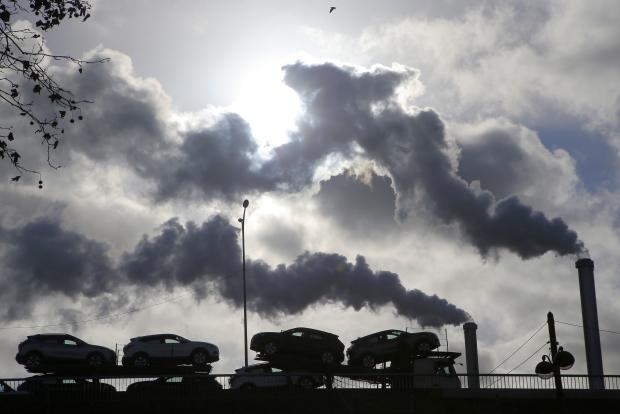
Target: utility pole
{"points": [[554, 352], [245, 310]]}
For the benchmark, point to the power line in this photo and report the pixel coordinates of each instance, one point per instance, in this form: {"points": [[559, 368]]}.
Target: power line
{"points": [[518, 366], [528, 358], [519, 348], [99, 318], [581, 326]]}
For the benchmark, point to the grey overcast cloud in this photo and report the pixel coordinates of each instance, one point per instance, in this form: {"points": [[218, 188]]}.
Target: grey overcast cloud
{"points": [[409, 164]]}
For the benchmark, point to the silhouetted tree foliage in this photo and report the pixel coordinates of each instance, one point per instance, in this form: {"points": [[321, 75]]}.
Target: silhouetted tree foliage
{"points": [[24, 74]]}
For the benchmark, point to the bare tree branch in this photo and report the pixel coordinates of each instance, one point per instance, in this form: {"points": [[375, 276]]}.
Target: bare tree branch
{"points": [[24, 63]]}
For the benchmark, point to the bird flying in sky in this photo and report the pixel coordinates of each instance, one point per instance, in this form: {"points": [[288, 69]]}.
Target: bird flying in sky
{"points": [[16, 178], [331, 9]]}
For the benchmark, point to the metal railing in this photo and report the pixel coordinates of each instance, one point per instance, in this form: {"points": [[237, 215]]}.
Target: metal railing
{"points": [[104, 386]]}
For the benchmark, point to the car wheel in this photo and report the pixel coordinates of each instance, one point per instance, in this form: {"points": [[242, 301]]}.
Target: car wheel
{"points": [[141, 361], [369, 361], [95, 360], [328, 358], [305, 383], [247, 386], [33, 360], [423, 347], [270, 348], [199, 358]]}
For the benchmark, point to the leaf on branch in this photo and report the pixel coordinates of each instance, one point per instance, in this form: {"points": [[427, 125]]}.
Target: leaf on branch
{"points": [[46, 136], [36, 89], [10, 137], [5, 16], [15, 157], [14, 93], [80, 70], [55, 97], [55, 144], [62, 113], [16, 178], [25, 64]]}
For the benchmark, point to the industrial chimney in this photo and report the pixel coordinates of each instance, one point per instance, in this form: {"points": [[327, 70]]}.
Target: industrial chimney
{"points": [[585, 267], [471, 354]]}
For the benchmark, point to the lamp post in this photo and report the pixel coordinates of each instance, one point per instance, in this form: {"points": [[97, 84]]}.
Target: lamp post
{"points": [[245, 311], [560, 359]]}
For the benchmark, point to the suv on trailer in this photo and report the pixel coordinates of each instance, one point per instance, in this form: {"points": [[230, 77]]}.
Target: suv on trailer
{"points": [[388, 345], [38, 351], [307, 343], [168, 349], [266, 376]]}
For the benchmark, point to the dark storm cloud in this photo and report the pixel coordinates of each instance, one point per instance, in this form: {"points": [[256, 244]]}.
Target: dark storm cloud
{"points": [[209, 255], [40, 258], [359, 207]]}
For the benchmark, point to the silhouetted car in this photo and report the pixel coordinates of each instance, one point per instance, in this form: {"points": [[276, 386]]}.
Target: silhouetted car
{"points": [[320, 346], [266, 376], [66, 385], [194, 385], [389, 345], [61, 350], [168, 349]]}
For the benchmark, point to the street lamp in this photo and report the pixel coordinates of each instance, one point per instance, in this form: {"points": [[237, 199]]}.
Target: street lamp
{"points": [[559, 360], [246, 203]]}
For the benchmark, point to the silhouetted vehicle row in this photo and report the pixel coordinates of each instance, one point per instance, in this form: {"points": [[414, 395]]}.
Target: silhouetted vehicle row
{"points": [[301, 349]]}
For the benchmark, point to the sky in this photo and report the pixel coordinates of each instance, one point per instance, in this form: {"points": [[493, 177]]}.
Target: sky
{"points": [[409, 165]]}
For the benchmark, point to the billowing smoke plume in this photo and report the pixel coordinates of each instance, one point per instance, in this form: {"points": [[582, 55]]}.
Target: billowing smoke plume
{"points": [[348, 111], [44, 259], [209, 255], [345, 107]]}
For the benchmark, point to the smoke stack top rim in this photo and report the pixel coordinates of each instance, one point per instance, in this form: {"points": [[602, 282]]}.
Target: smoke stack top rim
{"points": [[470, 325], [585, 262]]}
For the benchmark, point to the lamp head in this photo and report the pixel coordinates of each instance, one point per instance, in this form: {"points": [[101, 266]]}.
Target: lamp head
{"points": [[246, 203], [564, 359], [544, 369]]}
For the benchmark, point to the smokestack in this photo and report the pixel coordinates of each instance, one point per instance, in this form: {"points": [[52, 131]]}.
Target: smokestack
{"points": [[471, 354], [589, 314]]}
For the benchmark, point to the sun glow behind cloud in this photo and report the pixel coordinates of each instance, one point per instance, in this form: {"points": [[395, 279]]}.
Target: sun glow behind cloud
{"points": [[270, 107]]}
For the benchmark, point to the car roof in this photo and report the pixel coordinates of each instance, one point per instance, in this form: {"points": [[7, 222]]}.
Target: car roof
{"points": [[363, 338], [47, 335], [253, 366], [155, 336], [301, 328]]}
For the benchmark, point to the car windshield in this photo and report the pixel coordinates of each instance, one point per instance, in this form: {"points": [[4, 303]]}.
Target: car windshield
{"points": [[393, 335], [174, 379]]}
